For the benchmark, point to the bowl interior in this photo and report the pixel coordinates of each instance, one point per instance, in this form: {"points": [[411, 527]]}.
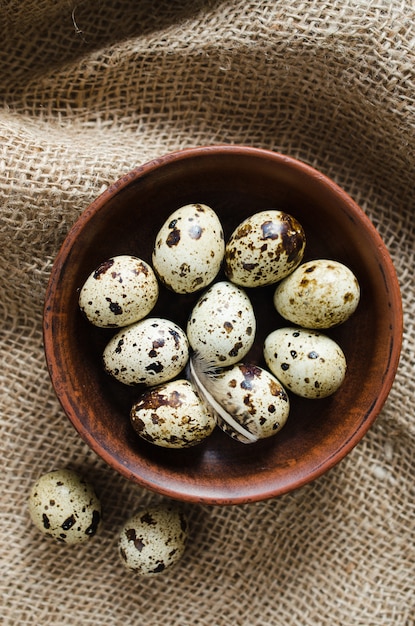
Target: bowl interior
{"points": [[235, 182]]}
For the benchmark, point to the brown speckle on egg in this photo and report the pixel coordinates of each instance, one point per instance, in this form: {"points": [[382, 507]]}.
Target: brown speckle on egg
{"points": [[234, 352], [102, 268], [173, 238], [93, 527], [45, 521]]}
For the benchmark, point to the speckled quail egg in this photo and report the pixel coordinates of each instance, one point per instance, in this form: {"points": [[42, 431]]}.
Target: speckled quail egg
{"points": [[189, 249], [148, 352], [249, 402], [221, 327], [172, 415], [119, 292], [64, 506], [153, 539], [264, 248], [307, 362], [318, 294]]}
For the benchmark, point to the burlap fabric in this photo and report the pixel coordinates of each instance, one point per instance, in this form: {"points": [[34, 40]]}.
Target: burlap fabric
{"points": [[92, 89]]}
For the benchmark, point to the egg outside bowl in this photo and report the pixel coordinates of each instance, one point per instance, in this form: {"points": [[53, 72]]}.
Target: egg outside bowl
{"points": [[236, 182]]}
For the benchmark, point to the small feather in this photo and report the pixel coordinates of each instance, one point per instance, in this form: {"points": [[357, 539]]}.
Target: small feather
{"points": [[205, 377]]}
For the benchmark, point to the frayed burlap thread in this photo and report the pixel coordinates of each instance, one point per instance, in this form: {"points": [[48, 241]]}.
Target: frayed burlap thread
{"points": [[91, 89]]}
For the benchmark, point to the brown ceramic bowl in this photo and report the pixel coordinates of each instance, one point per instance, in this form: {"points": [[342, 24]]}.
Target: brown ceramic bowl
{"points": [[236, 181]]}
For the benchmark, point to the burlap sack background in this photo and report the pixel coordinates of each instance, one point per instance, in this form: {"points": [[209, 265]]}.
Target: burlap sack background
{"points": [[96, 87]]}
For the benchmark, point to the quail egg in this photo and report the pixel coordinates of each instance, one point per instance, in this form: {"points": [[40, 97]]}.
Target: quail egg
{"points": [[189, 249], [119, 292], [153, 539], [318, 294], [148, 352], [221, 327], [249, 402], [64, 506], [172, 416], [264, 248], [307, 362]]}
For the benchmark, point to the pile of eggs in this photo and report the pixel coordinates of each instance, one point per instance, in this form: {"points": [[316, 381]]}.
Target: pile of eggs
{"points": [[190, 380], [195, 378]]}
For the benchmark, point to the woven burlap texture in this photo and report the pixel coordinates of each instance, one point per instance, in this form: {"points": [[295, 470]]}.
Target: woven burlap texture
{"points": [[94, 88]]}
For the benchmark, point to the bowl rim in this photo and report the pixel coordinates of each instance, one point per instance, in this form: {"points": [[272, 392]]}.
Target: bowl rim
{"points": [[191, 494]]}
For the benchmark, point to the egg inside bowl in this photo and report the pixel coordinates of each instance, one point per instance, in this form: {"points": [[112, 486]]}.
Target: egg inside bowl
{"points": [[236, 182]]}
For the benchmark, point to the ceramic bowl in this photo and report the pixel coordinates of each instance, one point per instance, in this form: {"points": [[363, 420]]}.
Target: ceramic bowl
{"points": [[236, 182]]}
